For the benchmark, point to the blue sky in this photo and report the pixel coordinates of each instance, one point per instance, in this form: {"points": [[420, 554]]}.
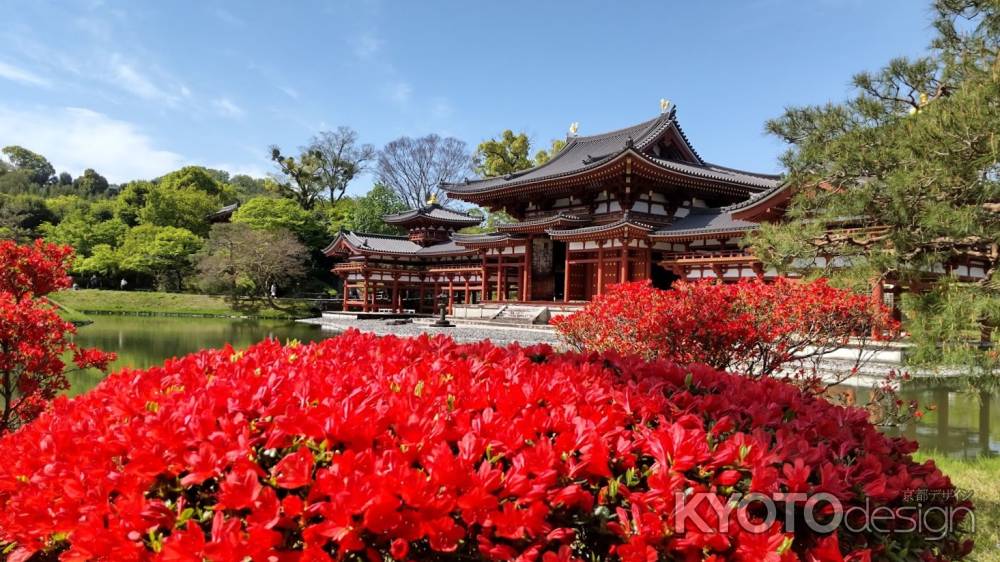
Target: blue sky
{"points": [[135, 89]]}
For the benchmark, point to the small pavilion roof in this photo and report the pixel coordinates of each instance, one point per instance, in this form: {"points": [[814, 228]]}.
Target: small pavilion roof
{"points": [[433, 213], [585, 153], [224, 213], [384, 244]]}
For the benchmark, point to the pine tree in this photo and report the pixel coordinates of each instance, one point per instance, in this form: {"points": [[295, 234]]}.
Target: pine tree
{"points": [[901, 184]]}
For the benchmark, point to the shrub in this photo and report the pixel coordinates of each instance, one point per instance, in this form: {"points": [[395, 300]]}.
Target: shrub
{"points": [[366, 448], [33, 338], [754, 327]]}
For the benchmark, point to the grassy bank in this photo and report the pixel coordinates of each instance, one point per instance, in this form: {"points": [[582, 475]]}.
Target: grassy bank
{"points": [[91, 301], [980, 476], [69, 314]]}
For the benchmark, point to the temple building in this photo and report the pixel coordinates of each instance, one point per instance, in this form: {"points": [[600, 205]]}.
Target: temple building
{"points": [[633, 204]]}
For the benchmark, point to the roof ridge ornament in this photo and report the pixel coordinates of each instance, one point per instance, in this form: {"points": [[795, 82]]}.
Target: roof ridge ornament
{"points": [[573, 128], [432, 200], [664, 106]]}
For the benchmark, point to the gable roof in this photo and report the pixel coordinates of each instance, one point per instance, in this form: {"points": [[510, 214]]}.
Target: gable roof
{"points": [[585, 153], [433, 213], [385, 244]]}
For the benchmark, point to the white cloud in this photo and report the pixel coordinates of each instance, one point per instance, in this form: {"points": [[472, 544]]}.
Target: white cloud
{"points": [[136, 82], [229, 18], [290, 92], [227, 108], [74, 139], [400, 92], [11, 72], [366, 46]]}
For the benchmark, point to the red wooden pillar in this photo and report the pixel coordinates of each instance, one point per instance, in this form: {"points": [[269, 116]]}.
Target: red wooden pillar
{"points": [[501, 280], [451, 294], [420, 301], [396, 306], [347, 289], [468, 294], [878, 300], [649, 263], [600, 268], [484, 281], [623, 273], [526, 288], [566, 284], [364, 295]]}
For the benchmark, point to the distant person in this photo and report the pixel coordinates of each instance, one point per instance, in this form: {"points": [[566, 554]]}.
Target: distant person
{"points": [[123, 284], [93, 281], [75, 286], [274, 290]]}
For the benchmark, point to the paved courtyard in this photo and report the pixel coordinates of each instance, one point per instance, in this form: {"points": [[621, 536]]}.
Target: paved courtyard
{"points": [[465, 333]]}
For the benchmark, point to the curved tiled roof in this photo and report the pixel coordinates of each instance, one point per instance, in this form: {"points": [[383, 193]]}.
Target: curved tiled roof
{"points": [[433, 213], [392, 245], [589, 152], [625, 222], [560, 218], [704, 221]]}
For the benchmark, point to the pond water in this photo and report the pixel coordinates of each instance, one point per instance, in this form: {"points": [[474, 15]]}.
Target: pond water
{"points": [[962, 425], [145, 341]]}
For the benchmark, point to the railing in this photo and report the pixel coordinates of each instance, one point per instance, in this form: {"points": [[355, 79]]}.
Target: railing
{"points": [[710, 257]]}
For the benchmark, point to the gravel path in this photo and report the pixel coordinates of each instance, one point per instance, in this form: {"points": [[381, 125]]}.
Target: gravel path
{"points": [[500, 334]]}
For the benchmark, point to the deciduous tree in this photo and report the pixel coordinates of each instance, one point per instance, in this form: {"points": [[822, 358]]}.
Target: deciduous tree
{"points": [[247, 261], [415, 168], [369, 210], [39, 169], [503, 155]]}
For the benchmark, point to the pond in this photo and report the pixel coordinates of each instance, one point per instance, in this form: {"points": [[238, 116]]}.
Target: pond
{"points": [[145, 341], [958, 426]]}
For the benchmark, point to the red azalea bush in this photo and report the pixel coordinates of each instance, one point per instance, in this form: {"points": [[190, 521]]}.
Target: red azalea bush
{"points": [[33, 338], [752, 327], [367, 448]]}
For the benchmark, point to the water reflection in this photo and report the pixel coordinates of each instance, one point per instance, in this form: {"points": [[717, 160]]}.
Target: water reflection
{"points": [[147, 341], [964, 423]]}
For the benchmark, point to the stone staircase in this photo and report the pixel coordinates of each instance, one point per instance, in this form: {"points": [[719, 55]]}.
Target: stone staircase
{"points": [[518, 314]]}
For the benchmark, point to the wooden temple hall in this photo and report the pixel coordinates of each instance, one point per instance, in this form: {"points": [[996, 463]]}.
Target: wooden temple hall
{"points": [[633, 204]]}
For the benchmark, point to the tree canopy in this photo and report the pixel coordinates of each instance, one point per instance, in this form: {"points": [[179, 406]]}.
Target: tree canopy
{"points": [[414, 168], [902, 182]]}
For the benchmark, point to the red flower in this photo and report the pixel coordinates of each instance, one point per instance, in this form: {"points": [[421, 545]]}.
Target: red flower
{"points": [[294, 470], [418, 449]]}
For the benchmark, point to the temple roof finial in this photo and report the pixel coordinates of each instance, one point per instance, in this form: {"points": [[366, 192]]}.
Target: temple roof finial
{"points": [[664, 105], [432, 200], [573, 128]]}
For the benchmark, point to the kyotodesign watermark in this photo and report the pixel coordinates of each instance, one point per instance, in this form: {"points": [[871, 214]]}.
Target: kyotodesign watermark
{"points": [[824, 513]]}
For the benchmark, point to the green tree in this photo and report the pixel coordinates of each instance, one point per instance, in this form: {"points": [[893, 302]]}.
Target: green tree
{"points": [[268, 213], [17, 182], [902, 181], [65, 179], [164, 252], [169, 205], [490, 222], [341, 158], [340, 215], [543, 156], [196, 178], [246, 262], [83, 233], [104, 261], [40, 170], [502, 156], [91, 183], [131, 200], [370, 209]]}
